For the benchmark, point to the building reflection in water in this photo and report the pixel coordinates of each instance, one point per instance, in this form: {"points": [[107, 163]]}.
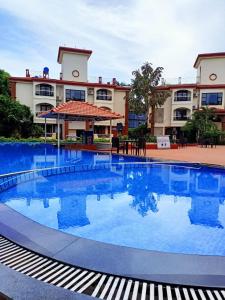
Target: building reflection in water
{"points": [[73, 207], [206, 200], [72, 212], [203, 190], [206, 191]]}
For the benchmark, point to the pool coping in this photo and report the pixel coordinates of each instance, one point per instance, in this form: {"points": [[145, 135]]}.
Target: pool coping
{"points": [[178, 269]]}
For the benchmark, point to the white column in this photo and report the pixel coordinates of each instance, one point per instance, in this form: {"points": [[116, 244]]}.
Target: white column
{"points": [[45, 130], [58, 131], [110, 129]]}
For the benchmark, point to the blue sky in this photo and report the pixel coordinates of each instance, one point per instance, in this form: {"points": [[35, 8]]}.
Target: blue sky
{"points": [[122, 34]]}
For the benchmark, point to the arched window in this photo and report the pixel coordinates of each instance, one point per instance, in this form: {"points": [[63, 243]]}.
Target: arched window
{"points": [[182, 95], [42, 107], [181, 114], [44, 90], [104, 94]]}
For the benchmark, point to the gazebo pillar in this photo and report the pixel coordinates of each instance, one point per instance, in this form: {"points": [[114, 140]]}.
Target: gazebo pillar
{"points": [[110, 128], [45, 130], [58, 131]]}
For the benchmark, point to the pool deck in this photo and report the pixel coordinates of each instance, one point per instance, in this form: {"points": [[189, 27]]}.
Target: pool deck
{"points": [[215, 156]]}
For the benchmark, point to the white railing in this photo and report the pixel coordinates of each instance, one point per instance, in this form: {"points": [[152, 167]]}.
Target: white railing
{"points": [[182, 98], [104, 97], [180, 80]]}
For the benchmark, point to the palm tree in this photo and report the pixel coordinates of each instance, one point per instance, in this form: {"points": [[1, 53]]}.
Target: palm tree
{"points": [[144, 94]]}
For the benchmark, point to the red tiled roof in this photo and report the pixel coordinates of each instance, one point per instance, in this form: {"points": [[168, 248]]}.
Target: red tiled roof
{"points": [[208, 55], [80, 111], [72, 50]]}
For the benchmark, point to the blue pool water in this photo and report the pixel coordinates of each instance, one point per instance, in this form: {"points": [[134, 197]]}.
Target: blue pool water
{"points": [[26, 156], [169, 208]]}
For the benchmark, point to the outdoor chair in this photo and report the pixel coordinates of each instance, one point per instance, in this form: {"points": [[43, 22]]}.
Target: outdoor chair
{"points": [[205, 142], [183, 142], [116, 144], [212, 142], [138, 146]]}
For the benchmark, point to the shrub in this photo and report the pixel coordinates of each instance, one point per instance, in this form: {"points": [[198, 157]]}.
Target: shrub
{"points": [[36, 131], [135, 133]]}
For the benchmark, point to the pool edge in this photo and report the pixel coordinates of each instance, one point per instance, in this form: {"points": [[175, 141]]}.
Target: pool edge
{"points": [[179, 269]]}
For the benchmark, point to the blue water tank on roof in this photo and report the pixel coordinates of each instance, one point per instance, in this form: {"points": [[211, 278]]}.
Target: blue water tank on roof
{"points": [[46, 70]]}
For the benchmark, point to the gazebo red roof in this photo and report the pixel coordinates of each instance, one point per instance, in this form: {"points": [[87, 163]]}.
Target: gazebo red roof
{"points": [[80, 111]]}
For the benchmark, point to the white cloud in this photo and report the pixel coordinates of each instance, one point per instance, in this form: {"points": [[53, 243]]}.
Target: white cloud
{"points": [[122, 34]]}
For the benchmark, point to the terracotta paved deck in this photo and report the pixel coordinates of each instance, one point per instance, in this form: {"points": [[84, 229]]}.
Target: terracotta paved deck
{"points": [[192, 154]]}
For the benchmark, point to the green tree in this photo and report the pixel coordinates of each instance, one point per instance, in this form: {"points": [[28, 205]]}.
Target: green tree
{"points": [[16, 119], [4, 83], [144, 94], [202, 124]]}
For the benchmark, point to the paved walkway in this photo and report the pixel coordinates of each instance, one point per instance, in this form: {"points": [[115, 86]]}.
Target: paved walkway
{"points": [[192, 154]]}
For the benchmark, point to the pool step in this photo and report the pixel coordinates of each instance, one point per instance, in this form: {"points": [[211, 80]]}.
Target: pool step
{"points": [[95, 284]]}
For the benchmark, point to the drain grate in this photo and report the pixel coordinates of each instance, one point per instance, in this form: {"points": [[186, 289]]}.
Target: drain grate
{"points": [[96, 284]]}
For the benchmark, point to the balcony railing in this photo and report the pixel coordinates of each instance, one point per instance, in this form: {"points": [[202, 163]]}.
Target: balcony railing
{"points": [[104, 97], [182, 98], [44, 93], [181, 118], [40, 112]]}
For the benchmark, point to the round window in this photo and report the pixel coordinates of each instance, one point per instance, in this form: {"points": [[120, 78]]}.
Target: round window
{"points": [[75, 73], [212, 76]]}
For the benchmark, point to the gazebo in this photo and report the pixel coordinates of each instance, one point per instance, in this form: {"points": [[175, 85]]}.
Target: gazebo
{"points": [[79, 111]]}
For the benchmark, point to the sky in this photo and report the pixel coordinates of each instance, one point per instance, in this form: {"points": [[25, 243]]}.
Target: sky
{"points": [[122, 34]]}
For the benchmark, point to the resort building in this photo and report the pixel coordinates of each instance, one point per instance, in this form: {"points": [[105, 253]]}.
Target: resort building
{"points": [[42, 93], [208, 90]]}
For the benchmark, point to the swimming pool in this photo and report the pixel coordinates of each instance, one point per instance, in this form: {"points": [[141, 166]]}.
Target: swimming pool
{"points": [[26, 156], [162, 207]]}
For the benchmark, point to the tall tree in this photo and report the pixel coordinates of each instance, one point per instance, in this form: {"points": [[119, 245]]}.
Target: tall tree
{"points": [[144, 95], [4, 83], [16, 120]]}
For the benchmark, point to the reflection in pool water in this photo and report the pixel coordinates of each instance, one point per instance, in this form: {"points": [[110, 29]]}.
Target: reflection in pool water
{"points": [[154, 207], [27, 156]]}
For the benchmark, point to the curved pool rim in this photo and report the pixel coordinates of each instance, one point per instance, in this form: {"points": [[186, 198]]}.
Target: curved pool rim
{"points": [[173, 268]]}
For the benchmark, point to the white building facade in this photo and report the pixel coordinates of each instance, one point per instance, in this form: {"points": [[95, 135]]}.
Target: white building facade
{"points": [[209, 90], [42, 93]]}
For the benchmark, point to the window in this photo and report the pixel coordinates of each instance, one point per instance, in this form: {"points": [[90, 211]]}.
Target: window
{"points": [[182, 95], [104, 94], [76, 95], [44, 90], [45, 107], [212, 98], [181, 114], [40, 108]]}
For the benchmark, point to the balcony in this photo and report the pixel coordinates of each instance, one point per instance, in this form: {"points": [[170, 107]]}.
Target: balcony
{"points": [[178, 98], [44, 93], [42, 108], [181, 118], [104, 97]]}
